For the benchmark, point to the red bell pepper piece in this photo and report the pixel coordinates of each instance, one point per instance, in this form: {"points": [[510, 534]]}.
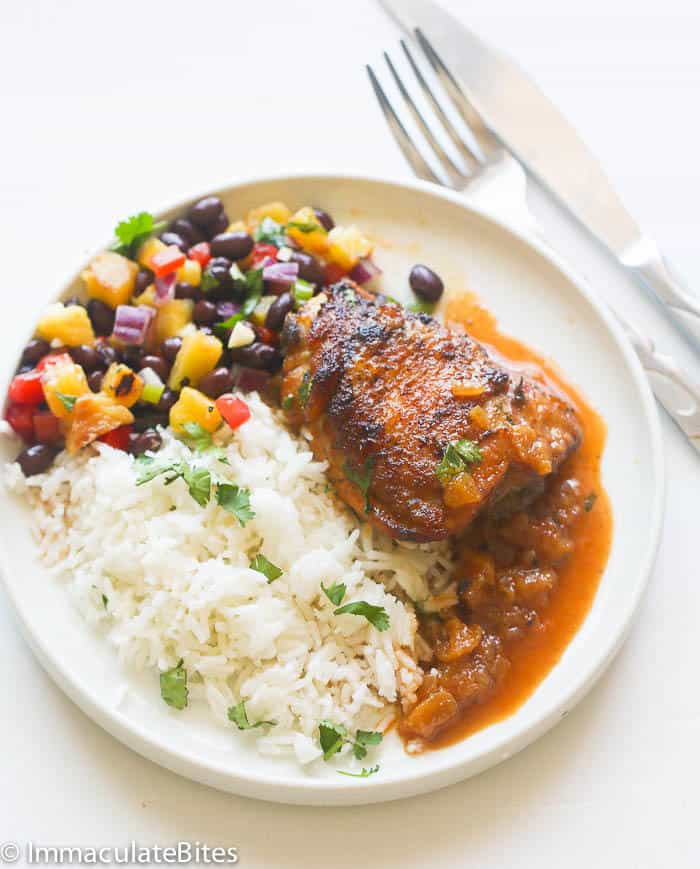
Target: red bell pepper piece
{"points": [[59, 357], [200, 252], [47, 429], [233, 410], [260, 251], [267, 336], [26, 388], [21, 418], [166, 261], [118, 438]]}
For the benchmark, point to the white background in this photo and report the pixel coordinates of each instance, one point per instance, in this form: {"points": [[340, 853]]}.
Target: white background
{"points": [[107, 109]]}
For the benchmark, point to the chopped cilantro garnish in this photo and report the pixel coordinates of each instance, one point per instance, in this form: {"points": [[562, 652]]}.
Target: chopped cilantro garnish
{"points": [[331, 736], [458, 456], [173, 686], [266, 567], [239, 717], [68, 401], [198, 483], [362, 478], [105, 601], [306, 228], [304, 389], [335, 593], [208, 281], [196, 436], [235, 501], [132, 232], [254, 285], [198, 479], [366, 773], [375, 615], [363, 738], [589, 502], [270, 232]]}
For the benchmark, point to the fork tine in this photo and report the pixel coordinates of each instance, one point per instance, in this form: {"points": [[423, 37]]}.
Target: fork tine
{"points": [[470, 159], [410, 152], [485, 139], [455, 175]]}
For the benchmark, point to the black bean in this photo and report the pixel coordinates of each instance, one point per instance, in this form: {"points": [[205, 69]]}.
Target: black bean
{"points": [[131, 356], [86, 356], [183, 290], [206, 212], [216, 383], [170, 237], [257, 355], [147, 441], [170, 347], [149, 420], [324, 219], [278, 310], [144, 278], [95, 379], [425, 283], [157, 364], [232, 245], [187, 230], [36, 459], [204, 312], [35, 350], [106, 352], [167, 400], [220, 269], [310, 269], [218, 226], [101, 316]]}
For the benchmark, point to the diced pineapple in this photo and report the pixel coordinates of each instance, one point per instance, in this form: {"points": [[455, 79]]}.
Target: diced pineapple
{"points": [[110, 278], [312, 240], [196, 357], [148, 250], [122, 385], [171, 319], [237, 226], [194, 406], [277, 211], [63, 382], [68, 324], [94, 415], [190, 273], [347, 245], [147, 297]]}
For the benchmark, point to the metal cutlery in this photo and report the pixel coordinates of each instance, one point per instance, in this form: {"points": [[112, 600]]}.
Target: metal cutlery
{"points": [[487, 166]]}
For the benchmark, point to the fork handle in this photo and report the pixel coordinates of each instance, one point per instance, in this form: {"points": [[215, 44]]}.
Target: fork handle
{"points": [[646, 263]]}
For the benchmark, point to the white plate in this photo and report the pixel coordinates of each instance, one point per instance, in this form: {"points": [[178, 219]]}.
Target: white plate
{"points": [[537, 299]]}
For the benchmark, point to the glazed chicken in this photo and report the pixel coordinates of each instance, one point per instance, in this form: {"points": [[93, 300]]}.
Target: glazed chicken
{"points": [[422, 428]]}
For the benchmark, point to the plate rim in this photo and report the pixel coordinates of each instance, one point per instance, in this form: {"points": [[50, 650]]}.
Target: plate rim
{"points": [[450, 770]]}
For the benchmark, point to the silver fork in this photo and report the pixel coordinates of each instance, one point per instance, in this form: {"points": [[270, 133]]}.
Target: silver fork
{"points": [[488, 170]]}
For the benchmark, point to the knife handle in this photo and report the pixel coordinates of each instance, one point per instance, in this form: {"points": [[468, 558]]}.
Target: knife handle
{"points": [[645, 261]]}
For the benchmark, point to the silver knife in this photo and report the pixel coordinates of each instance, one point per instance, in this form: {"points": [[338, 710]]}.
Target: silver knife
{"points": [[543, 140]]}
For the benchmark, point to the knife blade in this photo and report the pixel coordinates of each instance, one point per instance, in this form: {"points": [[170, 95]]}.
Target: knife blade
{"points": [[535, 131]]}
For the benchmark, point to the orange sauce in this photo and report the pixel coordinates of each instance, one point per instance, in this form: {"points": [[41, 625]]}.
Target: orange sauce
{"points": [[536, 654]]}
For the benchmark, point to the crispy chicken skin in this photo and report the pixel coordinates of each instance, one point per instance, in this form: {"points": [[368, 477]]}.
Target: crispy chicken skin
{"points": [[384, 392]]}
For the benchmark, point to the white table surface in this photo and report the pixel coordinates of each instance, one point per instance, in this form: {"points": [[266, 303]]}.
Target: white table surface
{"points": [[108, 108]]}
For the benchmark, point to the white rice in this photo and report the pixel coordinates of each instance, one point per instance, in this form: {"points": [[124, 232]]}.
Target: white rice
{"points": [[178, 585]]}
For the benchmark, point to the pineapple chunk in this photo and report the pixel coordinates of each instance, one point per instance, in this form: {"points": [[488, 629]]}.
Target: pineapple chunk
{"points": [[171, 319], [63, 382], [69, 325], [237, 226], [190, 273], [147, 297], [122, 385], [194, 406], [110, 278], [93, 416], [197, 356], [276, 211], [347, 246], [315, 240], [148, 250]]}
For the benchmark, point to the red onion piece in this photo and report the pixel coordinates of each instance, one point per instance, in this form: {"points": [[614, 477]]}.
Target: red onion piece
{"points": [[249, 379], [364, 271], [131, 323], [165, 288], [279, 277], [224, 310]]}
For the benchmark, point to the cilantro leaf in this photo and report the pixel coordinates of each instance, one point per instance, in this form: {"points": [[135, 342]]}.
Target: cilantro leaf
{"points": [[173, 686], [68, 401], [266, 567], [198, 483], [366, 773], [458, 456], [362, 478], [196, 436], [150, 467], [306, 228], [335, 593], [132, 232], [363, 738], [105, 601], [304, 389], [331, 736], [375, 615], [254, 288], [198, 479], [239, 717], [270, 232], [235, 501]]}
